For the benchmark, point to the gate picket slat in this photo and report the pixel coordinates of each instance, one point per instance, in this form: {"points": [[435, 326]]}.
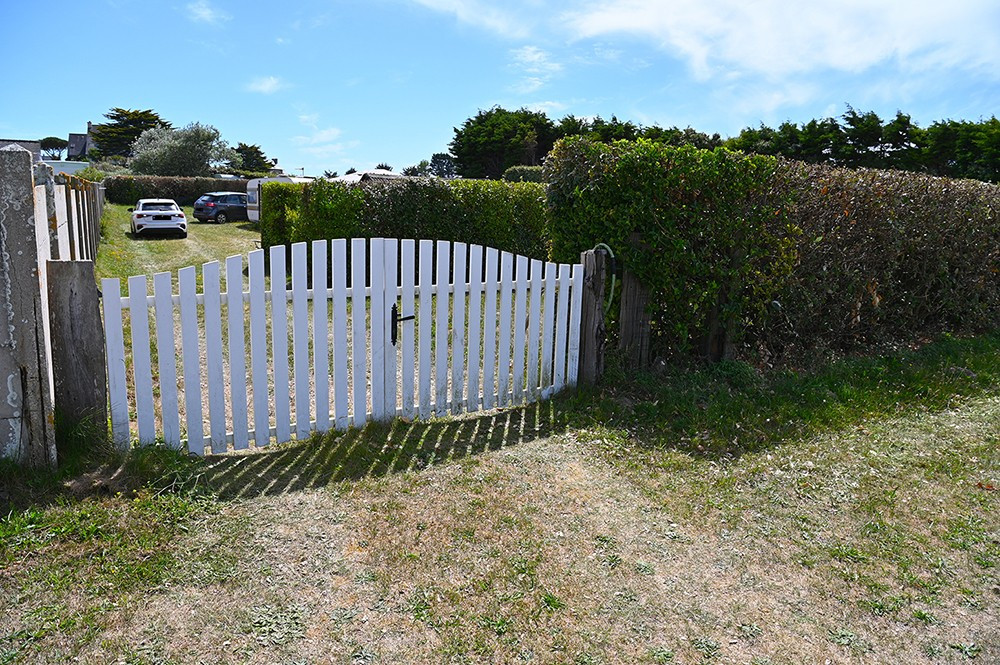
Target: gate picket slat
{"points": [[458, 329], [338, 266], [391, 249], [576, 305], [114, 343], [211, 287], [166, 351], [475, 326], [520, 325], [503, 354], [300, 340], [321, 351], [142, 369], [490, 331], [279, 345], [407, 308], [425, 277], [376, 326], [441, 329], [237, 351], [192, 360], [258, 350], [534, 320], [359, 357], [562, 314], [548, 327]]}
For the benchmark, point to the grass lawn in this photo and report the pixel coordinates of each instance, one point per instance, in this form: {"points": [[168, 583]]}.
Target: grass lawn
{"points": [[695, 515], [122, 255]]}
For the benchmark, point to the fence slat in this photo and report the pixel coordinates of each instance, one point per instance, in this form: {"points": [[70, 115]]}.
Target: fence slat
{"points": [[114, 343], [192, 359], [237, 351], [407, 308], [475, 327], [548, 327], [377, 326], [520, 325], [142, 371], [576, 309], [211, 286], [390, 251], [441, 287], [166, 352], [359, 357], [338, 267], [562, 314], [279, 344], [426, 265], [534, 321], [258, 350], [490, 331], [300, 340], [503, 354], [321, 328], [458, 329]]}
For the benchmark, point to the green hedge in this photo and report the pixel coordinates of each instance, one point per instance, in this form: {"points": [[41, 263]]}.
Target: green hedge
{"points": [[524, 174], [508, 216], [707, 231], [127, 189], [782, 256]]}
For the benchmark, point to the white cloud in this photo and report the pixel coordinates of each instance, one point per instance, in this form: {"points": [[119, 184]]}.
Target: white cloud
{"points": [[536, 66], [202, 12], [776, 38], [266, 85], [484, 14], [549, 108]]}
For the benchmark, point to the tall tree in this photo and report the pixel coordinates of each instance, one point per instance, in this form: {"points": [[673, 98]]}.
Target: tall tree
{"points": [[863, 139], [193, 151], [383, 166], [493, 141], [443, 165], [250, 158], [423, 168], [53, 147], [115, 138]]}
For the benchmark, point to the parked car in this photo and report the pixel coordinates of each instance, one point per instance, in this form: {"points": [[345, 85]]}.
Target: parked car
{"points": [[221, 207], [151, 215]]}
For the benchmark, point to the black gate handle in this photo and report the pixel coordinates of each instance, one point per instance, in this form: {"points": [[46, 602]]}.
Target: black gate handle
{"points": [[396, 320]]}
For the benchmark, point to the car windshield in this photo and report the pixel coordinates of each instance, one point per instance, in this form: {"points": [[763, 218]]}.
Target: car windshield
{"points": [[159, 206]]}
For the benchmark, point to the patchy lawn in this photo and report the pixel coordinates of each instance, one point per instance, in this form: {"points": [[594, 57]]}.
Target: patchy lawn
{"points": [[609, 527]]}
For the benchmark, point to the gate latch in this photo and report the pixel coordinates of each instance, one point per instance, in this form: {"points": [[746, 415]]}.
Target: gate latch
{"points": [[396, 320]]}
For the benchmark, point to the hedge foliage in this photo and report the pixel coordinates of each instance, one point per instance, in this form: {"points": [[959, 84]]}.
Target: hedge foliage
{"points": [[524, 174], [781, 255], [508, 216], [127, 189], [706, 231]]}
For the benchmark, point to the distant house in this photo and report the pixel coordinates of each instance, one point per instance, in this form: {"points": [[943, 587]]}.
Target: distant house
{"points": [[34, 147], [80, 145]]}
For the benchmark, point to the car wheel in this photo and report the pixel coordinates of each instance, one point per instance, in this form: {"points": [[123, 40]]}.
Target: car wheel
{"points": [[221, 218], [184, 234]]}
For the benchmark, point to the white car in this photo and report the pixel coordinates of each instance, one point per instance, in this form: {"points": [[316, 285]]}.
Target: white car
{"points": [[158, 215]]}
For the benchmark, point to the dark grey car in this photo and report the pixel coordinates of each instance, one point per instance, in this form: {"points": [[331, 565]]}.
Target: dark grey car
{"points": [[221, 207]]}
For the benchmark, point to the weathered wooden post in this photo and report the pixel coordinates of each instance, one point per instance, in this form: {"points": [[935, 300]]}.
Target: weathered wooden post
{"points": [[592, 332], [78, 361], [635, 320], [26, 396]]}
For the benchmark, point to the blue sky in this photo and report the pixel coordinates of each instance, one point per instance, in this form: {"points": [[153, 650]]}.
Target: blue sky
{"points": [[331, 84]]}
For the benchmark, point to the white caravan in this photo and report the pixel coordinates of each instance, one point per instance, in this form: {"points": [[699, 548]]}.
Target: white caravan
{"points": [[253, 193]]}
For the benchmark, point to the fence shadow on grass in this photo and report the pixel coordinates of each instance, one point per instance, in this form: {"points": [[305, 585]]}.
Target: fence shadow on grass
{"points": [[378, 449]]}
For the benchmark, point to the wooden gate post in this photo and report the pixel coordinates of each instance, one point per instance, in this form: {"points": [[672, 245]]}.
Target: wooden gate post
{"points": [[26, 411], [635, 319], [78, 360], [592, 332]]}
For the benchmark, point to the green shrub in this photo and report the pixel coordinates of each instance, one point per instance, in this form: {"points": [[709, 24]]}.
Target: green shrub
{"points": [[127, 189], [279, 211], [508, 216], [524, 174], [706, 231]]}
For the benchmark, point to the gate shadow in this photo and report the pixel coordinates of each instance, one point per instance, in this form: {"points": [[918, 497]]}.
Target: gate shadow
{"points": [[378, 449]]}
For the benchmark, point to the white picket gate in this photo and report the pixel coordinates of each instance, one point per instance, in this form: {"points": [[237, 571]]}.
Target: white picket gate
{"points": [[417, 329]]}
